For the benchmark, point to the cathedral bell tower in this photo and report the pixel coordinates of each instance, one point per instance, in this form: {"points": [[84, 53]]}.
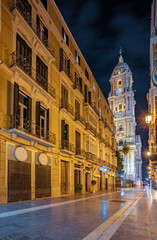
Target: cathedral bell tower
{"points": [[122, 104]]}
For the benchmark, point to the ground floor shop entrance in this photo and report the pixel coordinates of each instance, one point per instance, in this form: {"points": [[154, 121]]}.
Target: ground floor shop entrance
{"points": [[42, 181], [19, 181], [64, 177]]}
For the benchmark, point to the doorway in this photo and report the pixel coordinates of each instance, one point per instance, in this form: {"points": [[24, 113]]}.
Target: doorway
{"points": [[64, 177], [106, 183], [87, 179]]}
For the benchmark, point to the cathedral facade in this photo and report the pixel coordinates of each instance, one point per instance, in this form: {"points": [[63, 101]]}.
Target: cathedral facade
{"points": [[122, 103]]}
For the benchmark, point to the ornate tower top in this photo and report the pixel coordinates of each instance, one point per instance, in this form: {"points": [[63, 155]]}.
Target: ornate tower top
{"points": [[120, 57]]}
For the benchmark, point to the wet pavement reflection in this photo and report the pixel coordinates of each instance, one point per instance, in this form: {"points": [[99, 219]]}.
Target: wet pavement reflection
{"points": [[74, 220]]}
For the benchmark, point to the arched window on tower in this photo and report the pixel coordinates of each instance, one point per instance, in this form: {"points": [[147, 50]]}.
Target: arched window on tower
{"points": [[120, 128], [119, 85], [120, 107]]}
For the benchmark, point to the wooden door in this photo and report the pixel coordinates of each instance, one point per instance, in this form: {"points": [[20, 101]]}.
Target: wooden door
{"points": [[19, 181], [87, 182], [64, 177]]}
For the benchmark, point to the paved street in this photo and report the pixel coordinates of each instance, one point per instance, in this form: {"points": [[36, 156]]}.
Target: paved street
{"points": [[126, 214]]}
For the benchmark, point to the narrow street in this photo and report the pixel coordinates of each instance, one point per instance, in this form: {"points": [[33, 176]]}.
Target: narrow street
{"points": [[125, 214]]}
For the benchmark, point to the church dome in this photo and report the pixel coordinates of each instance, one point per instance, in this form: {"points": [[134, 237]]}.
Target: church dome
{"points": [[121, 67]]}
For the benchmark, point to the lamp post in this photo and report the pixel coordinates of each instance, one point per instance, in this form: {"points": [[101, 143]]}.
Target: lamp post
{"points": [[148, 119]]}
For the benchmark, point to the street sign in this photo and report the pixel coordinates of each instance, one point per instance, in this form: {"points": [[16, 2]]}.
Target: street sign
{"points": [[154, 76]]}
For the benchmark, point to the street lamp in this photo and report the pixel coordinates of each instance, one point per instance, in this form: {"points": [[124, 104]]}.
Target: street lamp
{"points": [[148, 118], [148, 153]]}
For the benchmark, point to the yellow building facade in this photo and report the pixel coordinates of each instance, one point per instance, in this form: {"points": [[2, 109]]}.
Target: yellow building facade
{"points": [[56, 127]]}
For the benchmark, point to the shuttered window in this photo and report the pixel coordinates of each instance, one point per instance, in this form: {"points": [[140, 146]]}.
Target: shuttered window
{"points": [[65, 36]]}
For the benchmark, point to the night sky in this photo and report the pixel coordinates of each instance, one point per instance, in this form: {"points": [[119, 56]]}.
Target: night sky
{"points": [[100, 28]]}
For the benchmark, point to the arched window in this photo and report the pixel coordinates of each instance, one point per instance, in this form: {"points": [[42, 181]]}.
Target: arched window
{"points": [[116, 109], [124, 107], [120, 107], [120, 127], [119, 83]]}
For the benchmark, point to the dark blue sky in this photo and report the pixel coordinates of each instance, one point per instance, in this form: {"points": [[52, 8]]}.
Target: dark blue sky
{"points": [[100, 27]]}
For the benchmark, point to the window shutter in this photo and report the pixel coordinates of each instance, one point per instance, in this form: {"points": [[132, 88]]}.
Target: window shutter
{"points": [[67, 133], [38, 118], [63, 129], [68, 67], [16, 98], [80, 83], [86, 93], [47, 130], [29, 108], [67, 38], [62, 32], [89, 97], [61, 59]]}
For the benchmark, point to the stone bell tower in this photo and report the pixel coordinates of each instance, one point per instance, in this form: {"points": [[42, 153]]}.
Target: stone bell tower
{"points": [[122, 103]]}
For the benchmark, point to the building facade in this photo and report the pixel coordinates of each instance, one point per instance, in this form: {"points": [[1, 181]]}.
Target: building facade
{"points": [[122, 104], [152, 96], [56, 127]]}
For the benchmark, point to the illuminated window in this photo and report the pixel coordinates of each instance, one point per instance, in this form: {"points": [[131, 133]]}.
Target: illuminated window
{"points": [[120, 127], [124, 107], [119, 83], [77, 57], [118, 72], [94, 88], [120, 107], [116, 109]]}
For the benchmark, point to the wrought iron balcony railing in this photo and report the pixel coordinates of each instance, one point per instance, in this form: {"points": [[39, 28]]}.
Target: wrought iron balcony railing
{"points": [[64, 104], [25, 65], [27, 126], [66, 145], [79, 118], [19, 5], [78, 86], [80, 152]]}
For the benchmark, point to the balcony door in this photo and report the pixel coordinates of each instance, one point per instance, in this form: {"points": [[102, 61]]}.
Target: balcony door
{"points": [[23, 55], [41, 73], [65, 136], [77, 109], [78, 143], [64, 96], [42, 121]]}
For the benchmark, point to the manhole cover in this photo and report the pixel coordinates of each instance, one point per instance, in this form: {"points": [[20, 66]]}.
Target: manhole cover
{"points": [[119, 201]]}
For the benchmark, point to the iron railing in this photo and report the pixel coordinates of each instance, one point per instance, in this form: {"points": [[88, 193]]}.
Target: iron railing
{"points": [[64, 104], [78, 86], [66, 69], [80, 152], [66, 145], [28, 126], [79, 118], [25, 65], [18, 4]]}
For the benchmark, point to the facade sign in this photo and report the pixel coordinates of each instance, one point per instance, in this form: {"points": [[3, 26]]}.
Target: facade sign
{"points": [[154, 76], [20, 154], [43, 159]]}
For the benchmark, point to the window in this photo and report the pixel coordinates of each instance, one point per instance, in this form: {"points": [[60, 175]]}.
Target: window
{"points": [[86, 74], [120, 127], [41, 74], [64, 97], [42, 32], [64, 63], [119, 83], [99, 97], [44, 2], [78, 82], [120, 107], [65, 36], [94, 87], [77, 57], [78, 143], [65, 135], [124, 107], [120, 142], [25, 9], [42, 121], [116, 110], [99, 113], [23, 55], [77, 109], [155, 54]]}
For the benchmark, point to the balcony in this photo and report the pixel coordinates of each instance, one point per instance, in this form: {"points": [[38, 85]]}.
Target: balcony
{"points": [[80, 119], [90, 128], [89, 106], [19, 6], [66, 74], [29, 130], [67, 147], [65, 105], [25, 66], [91, 157], [78, 89], [80, 153]]}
